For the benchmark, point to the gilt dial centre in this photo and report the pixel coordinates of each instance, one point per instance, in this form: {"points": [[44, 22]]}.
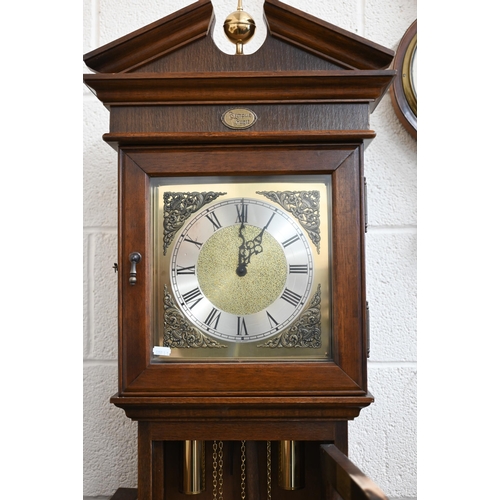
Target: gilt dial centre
{"points": [[241, 293]]}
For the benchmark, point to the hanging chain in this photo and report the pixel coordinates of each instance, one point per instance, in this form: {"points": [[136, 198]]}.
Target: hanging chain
{"points": [[269, 470], [214, 470], [221, 469], [217, 469], [243, 470]]}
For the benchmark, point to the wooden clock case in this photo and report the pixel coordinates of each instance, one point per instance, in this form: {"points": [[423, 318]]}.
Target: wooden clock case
{"points": [[312, 86]]}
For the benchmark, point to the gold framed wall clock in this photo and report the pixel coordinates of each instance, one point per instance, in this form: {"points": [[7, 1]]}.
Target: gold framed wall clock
{"points": [[404, 88]]}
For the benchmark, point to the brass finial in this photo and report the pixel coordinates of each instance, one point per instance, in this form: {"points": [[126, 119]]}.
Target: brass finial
{"points": [[239, 27]]}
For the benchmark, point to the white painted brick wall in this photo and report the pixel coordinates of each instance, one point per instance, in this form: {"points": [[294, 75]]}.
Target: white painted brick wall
{"points": [[383, 438]]}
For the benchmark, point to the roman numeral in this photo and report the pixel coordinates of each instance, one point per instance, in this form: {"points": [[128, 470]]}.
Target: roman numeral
{"points": [[272, 321], [291, 240], [192, 296], [213, 219], [197, 243], [291, 297], [297, 269], [242, 327], [213, 318], [242, 212], [185, 270]]}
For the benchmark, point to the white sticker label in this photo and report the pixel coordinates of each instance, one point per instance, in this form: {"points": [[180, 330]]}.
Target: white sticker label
{"points": [[161, 351]]}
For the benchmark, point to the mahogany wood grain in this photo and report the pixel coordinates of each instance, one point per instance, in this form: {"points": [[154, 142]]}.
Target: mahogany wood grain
{"points": [[254, 479], [297, 118], [204, 56], [133, 229], [317, 36], [156, 39], [243, 159], [344, 375], [237, 88], [158, 469], [196, 141], [145, 466], [346, 478], [349, 273], [245, 419], [146, 49]]}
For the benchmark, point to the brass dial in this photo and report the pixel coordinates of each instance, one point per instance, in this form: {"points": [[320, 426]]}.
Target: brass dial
{"points": [[220, 282], [242, 270]]}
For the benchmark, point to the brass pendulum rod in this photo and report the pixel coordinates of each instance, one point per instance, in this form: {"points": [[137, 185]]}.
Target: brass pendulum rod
{"points": [[193, 467], [291, 465]]}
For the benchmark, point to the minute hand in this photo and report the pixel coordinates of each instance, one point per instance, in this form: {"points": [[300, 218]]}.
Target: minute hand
{"points": [[249, 248], [254, 246]]}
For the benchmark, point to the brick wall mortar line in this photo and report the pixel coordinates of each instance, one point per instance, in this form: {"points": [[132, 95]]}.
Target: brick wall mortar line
{"points": [[91, 292]]}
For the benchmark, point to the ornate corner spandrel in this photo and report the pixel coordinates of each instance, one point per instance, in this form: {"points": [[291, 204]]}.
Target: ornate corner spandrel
{"points": [[178, 332], [304, 206], [178, 207], [306, 332]]}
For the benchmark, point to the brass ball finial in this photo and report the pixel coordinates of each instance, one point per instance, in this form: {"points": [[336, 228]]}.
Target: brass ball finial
{"points": [[239, 27]]}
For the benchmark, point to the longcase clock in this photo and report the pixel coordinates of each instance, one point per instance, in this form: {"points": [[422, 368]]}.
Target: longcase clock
{"points": [[243, 328]]}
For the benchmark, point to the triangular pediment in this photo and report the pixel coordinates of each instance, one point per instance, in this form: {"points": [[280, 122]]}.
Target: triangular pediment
{"points": [[303, 59], [181, 43]]}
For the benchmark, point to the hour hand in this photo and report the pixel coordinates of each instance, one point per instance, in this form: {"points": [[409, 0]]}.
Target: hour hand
{"points": [[243, 259], [255, 246]]}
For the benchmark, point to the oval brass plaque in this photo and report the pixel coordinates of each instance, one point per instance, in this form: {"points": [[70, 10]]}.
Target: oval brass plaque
{"points": [[239, 118]]}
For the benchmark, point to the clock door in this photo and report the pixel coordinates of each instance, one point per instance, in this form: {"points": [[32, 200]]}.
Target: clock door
{"points": [[172, 313]]}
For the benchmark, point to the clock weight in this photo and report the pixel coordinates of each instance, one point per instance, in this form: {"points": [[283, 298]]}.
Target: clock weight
{"points": [[291, 467], [193, 467]]}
